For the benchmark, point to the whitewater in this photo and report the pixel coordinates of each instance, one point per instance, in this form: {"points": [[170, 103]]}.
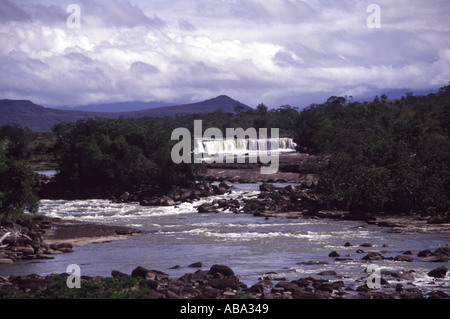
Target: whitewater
{"points": [[251, 246]]}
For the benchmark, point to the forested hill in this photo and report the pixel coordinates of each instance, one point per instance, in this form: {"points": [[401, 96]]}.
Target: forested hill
{"points": [[38, 118]]}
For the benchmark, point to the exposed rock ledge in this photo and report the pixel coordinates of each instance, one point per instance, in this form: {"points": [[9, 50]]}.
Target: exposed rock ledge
{"points": [[41, 237], [79, 233]]}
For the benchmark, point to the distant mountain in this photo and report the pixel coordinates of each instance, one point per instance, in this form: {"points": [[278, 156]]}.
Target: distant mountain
{"points": [[39, 118], [114, 107]]}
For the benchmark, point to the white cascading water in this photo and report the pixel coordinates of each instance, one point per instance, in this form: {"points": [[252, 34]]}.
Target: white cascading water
{"points": [[243, 146]]}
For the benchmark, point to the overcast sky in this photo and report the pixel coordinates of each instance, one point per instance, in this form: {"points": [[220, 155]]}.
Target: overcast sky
{"points": [[273, 51]]}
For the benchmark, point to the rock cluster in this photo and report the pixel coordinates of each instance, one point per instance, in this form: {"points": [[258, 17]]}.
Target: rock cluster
{"points": [[441, 254], [40, 237], [220, 282], [292, 201], [147, 197], [216, 283], [24, 240]]}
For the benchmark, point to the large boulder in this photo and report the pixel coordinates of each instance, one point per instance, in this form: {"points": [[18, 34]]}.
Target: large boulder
{"points": [[373, 256], [444, 250], [225, 282], [224, 270], [226, 184], [436, 259], [287, 286], [228, 204], [139, 272], [404, 258], [440, 272], [125, 196], [6, 261], [207, 209], [219, 190], [334, 254], [424, 253], [167, 201], [198, 264]]}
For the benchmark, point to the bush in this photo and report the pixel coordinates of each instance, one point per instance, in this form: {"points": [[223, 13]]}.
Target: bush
{"points": [[16, 188], [118, 154], [391, 157]]}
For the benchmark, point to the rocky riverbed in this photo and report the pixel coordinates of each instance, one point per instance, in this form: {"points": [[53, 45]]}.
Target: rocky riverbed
{"points": [[42, 237], [219, 282], [300, 201]]}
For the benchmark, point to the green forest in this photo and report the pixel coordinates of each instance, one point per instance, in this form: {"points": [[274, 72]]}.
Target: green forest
{"points": [[388, 156], [383, 156]]}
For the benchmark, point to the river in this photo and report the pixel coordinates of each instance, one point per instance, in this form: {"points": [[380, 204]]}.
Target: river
{"points": [[251, 246]]}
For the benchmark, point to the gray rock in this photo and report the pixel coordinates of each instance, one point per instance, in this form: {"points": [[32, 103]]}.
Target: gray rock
{"points": [[403, 258], [197, 265], [444, 250], [139, 272], [225, 282], [327, 273], [424, 253], [287, 286], [6, 261], [373, 256], [224, 270], [438, 272], [436, 259], [207, 209], [226, 184], [166, 201], [334, 254], [125, 196], [218, 190]]}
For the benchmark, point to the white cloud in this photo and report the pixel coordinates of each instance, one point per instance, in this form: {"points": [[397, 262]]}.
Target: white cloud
{"points": [[255, 51]]}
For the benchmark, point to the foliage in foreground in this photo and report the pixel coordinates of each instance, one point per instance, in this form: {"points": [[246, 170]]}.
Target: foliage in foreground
{"points": [[93, 288], [16, 177]]}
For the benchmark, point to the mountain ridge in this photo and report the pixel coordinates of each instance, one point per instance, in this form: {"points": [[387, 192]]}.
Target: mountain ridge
{"points": [[25, 113]]}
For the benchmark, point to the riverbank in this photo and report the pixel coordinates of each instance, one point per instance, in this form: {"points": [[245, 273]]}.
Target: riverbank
{"points": [[401, 272], [296, 201], [257, 220], [220, 282], [40, 237]]}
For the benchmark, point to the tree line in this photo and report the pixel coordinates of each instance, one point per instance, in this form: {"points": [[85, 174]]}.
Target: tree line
{"points": [[385, 155]]}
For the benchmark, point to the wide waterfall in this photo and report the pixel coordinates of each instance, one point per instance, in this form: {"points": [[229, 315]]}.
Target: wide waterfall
{"points": [[244, 146]]}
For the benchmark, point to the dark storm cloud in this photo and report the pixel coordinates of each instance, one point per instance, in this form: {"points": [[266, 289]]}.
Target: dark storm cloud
{"points": [[274, 51]]}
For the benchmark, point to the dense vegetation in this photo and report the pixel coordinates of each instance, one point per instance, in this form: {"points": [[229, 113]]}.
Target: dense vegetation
{"points": [[391, 156], [385, 155], [94, 288], [118, 154], [16, 177]]}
